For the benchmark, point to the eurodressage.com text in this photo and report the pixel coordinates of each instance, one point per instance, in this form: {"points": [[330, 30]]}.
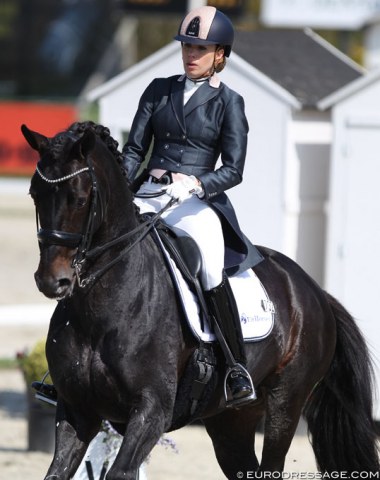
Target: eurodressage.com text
{"points": [[308, 475]]}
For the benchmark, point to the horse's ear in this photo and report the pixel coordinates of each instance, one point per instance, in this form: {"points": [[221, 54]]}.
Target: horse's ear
{"points": [[84, 145], [36, 140]]}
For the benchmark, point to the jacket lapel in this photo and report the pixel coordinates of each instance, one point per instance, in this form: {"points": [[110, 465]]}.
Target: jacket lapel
{"points": [[176, 98], [200, 97]]}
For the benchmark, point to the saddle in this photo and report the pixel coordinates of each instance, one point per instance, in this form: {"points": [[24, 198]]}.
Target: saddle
{"points": [[183, 249], [186, 254]]}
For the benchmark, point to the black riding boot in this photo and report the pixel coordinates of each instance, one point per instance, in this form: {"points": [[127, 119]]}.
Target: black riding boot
{"points": [[45, 392], [223, 307]]}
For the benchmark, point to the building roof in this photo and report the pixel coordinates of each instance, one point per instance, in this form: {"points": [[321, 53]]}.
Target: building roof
{"points": [[349, 90], [297, 66], [167, 58], [302, 62], [157, 58]]}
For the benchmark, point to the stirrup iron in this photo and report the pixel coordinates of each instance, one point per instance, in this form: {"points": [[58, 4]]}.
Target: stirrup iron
{"points": [[232, 403]]}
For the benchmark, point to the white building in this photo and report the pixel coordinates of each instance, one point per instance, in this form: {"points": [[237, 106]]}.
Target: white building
{"points": [[353, 255]]}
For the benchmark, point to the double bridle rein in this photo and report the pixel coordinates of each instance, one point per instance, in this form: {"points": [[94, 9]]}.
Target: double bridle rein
{"points": [[83, 241]]}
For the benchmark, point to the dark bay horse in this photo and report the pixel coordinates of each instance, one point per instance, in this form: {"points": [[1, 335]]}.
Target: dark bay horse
{"points": [[118, 347]]}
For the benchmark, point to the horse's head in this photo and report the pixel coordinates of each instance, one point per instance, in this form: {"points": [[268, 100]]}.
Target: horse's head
{"points": [[68, 204]]}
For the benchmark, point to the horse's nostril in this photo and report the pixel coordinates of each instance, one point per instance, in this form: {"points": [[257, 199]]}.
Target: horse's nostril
{"points": [[64, 282], [52, 286], [63, 287]]}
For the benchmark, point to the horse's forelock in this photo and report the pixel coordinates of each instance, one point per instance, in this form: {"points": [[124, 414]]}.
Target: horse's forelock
{"points": [[57, 144]]}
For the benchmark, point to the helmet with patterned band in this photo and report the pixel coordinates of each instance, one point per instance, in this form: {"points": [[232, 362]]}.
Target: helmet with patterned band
{"points": [[207, 26]]}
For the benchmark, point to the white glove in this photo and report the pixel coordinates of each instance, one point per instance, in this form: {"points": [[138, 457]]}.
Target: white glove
{"points": [[183, 189]]}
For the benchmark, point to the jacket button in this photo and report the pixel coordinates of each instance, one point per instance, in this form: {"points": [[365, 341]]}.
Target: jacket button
{"points": [[178, 164], [166, 146], [183, 137], [168, 134], [181, 151], [161, 160]]}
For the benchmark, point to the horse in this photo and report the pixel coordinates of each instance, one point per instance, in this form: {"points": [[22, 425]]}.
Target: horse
{"points": [[119, 348]]}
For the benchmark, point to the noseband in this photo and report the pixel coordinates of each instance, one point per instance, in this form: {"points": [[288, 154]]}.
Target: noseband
{"points": [[57, 237]]}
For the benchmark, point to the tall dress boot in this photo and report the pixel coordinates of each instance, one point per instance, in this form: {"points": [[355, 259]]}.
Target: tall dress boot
{"points": [[223, 308]]}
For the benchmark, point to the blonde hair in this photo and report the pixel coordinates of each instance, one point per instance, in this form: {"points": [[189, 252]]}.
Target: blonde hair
{"points": [[220, 66]]}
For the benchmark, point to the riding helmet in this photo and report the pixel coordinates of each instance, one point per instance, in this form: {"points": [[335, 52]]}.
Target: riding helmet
{"points": [[207, 26]]}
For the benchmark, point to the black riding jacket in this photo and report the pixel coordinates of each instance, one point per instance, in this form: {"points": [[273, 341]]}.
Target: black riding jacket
{"points": [[190, 139]]}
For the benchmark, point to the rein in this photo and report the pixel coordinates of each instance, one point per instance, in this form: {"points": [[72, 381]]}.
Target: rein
{"points": [[144, 228], [83, 241]]}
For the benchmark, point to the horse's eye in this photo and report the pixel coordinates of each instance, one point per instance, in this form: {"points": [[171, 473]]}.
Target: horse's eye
{"points": [[81, 202]]}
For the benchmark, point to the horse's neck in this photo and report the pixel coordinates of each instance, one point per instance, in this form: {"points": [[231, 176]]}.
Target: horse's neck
{"points": [[119, 211]]}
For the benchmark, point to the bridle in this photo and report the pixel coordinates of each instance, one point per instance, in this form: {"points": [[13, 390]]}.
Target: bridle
{"points": [[83, 241]]}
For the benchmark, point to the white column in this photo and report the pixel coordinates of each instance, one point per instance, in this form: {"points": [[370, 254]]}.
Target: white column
{"points": [[372, 45]]}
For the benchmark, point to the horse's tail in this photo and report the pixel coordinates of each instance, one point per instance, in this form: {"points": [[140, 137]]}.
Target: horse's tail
{"points": [[339, 410]]}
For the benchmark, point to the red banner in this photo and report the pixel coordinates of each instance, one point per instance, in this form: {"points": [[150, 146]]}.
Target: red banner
{"points": [[16, 156]]}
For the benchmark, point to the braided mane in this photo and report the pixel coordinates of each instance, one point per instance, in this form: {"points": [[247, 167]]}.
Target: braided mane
{"points": [[58, 143]]}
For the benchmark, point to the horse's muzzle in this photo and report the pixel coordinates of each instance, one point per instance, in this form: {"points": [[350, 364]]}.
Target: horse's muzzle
{"points": [[58, 280], [53, 287]]}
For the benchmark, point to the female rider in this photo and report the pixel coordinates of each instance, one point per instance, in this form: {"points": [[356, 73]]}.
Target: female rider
{"points": [[193, 119]]}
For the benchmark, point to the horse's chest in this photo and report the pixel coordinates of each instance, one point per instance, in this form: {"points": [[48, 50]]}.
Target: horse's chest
{"points": [[69, 362], [89, 373], [77, 368]]}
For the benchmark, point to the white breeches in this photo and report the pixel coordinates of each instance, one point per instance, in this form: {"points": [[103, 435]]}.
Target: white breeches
{"points": [[200, 221]]}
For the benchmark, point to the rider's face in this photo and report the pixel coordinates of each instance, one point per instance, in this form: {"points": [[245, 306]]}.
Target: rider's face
{"points": [[199, 60]]}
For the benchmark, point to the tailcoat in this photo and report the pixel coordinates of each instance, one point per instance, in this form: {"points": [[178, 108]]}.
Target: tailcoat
{"points": [[190, 139]]}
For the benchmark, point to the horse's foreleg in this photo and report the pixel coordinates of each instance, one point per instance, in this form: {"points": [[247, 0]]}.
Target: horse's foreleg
{"points": [[145, 427], [73, 435]]}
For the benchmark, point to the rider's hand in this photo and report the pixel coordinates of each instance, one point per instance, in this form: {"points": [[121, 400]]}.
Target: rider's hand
{"points": [[183, 189]]}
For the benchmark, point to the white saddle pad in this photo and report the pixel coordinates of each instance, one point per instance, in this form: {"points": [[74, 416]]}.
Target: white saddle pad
{"points": [[255, 308]]}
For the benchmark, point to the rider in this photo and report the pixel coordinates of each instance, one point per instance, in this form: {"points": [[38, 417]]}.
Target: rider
{"points": [[193, 118]]}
